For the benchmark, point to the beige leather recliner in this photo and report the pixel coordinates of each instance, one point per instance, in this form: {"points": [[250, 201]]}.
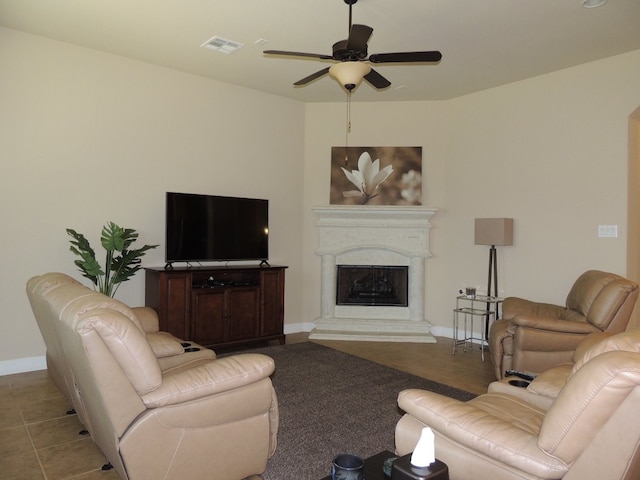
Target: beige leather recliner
{"points": [[169, 350], [544, 389], [588, 429], [201, 418], [533, 336]]}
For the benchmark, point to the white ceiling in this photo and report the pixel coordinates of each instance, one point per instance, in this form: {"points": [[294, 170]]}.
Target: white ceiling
{"points": [[485, 43]]}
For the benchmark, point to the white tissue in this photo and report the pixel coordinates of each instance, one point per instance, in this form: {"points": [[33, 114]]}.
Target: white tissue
{"points": [[425, 452]]}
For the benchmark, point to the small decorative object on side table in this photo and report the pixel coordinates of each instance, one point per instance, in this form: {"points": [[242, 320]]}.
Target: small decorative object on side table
{"points": [[403, 470], [373, 466]]}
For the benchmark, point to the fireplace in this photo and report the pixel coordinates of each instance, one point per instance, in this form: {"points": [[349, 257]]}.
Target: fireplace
{"points": [[372, 285], [363, 249]]}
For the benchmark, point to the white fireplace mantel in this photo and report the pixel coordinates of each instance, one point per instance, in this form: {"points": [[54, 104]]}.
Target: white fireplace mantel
{"points": [[373, 235]]}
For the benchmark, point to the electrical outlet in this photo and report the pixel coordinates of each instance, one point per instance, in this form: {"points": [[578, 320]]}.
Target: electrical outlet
{"points": [[607, 231]]}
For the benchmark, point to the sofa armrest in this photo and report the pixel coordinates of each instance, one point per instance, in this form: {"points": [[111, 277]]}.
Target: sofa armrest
{"points": [[211, 378], [500, 346], [549, 383], [186, 360], [164, 344], [513, 306], [148, 318], [553, 324], [588, 343], [532, 398]]}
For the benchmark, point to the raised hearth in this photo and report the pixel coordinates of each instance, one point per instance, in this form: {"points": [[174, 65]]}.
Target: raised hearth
{"points": [[373, 236]]}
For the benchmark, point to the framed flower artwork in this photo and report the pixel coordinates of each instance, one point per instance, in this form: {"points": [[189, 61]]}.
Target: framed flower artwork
{"points": [[376, 176]]}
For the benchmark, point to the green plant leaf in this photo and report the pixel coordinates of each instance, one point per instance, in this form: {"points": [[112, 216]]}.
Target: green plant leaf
{"points": [[87, 264], [80, 243], [112, 237], [118, 268], [129, 236]]}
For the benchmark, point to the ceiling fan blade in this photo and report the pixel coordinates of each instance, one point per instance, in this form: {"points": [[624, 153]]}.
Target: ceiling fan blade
{"points": [[312, 77], [358, 37], [406, 57], [377, 80], [298, 54]]}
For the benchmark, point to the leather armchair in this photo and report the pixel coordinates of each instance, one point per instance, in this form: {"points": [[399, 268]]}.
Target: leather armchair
{"points": [[200, 418], [589, 428], [544, 389], [168, 349], [533, 336]]}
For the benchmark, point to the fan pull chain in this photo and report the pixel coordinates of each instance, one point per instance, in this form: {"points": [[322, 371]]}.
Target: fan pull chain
{"points": [[348, 128]]}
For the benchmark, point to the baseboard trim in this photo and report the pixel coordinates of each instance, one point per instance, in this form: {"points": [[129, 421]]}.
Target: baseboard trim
{"points": [[298, 327], [21, 365], [442, 331]]}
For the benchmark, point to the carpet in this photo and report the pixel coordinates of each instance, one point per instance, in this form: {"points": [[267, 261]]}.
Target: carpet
{"points": [[332, 402]]}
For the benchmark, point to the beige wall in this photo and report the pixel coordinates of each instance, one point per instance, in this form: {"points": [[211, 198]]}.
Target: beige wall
{"points": [[376, 124], [551, 152], [89, 137]]}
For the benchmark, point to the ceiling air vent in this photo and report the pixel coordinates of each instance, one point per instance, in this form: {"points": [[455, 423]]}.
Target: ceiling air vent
{"points": [[222, 45]]}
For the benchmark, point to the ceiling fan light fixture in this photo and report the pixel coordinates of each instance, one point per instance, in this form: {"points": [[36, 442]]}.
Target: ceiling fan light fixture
{"points": [[593, 3], [349, 74]]}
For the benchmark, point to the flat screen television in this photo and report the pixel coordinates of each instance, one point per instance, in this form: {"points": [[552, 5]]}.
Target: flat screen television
{"points": [[215, 228]]}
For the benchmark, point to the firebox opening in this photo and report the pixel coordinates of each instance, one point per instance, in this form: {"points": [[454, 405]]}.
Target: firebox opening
{"points": [[372, 285]]}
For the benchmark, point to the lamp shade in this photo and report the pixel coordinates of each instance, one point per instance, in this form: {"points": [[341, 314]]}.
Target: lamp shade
{"points": [[349, 73], [493, 231]]}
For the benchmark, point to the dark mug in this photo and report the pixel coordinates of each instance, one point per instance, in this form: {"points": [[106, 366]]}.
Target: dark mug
{"points": [[347, 466]]}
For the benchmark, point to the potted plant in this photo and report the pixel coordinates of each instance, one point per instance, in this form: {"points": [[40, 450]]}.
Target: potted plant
{"points": [[121, 262]]}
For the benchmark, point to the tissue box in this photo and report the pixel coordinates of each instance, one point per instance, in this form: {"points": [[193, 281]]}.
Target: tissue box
{"points": [[403, 470]]}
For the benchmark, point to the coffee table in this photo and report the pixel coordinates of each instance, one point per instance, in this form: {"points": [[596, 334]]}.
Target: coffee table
{"points": [[372, 466]]}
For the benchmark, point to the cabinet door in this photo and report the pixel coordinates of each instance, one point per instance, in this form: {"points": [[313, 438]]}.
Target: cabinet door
{"points": [[272, 314], [176, 292], [208, 325], [242, 313]]}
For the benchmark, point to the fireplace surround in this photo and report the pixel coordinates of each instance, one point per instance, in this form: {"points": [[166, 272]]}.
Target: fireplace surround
{"points": [[371, 236]]}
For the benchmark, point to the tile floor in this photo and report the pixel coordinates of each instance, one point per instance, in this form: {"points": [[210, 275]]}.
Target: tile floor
{"points": [[40, 441]]}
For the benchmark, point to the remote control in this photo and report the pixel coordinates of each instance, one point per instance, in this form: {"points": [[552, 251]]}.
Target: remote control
{"points": [[524, 375]]}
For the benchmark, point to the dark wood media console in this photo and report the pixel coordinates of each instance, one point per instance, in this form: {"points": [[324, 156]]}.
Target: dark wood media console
{"points": [[218, 306]]}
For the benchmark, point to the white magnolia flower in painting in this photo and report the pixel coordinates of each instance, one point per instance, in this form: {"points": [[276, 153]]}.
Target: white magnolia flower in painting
{"points": [[412, 187], [367, 178]]}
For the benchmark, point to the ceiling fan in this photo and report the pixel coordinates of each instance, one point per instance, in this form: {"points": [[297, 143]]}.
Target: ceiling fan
{"points": [[352, 64]]}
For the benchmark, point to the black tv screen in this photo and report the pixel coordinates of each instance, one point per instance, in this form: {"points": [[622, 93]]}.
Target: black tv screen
{"points": [[215, 228]]}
